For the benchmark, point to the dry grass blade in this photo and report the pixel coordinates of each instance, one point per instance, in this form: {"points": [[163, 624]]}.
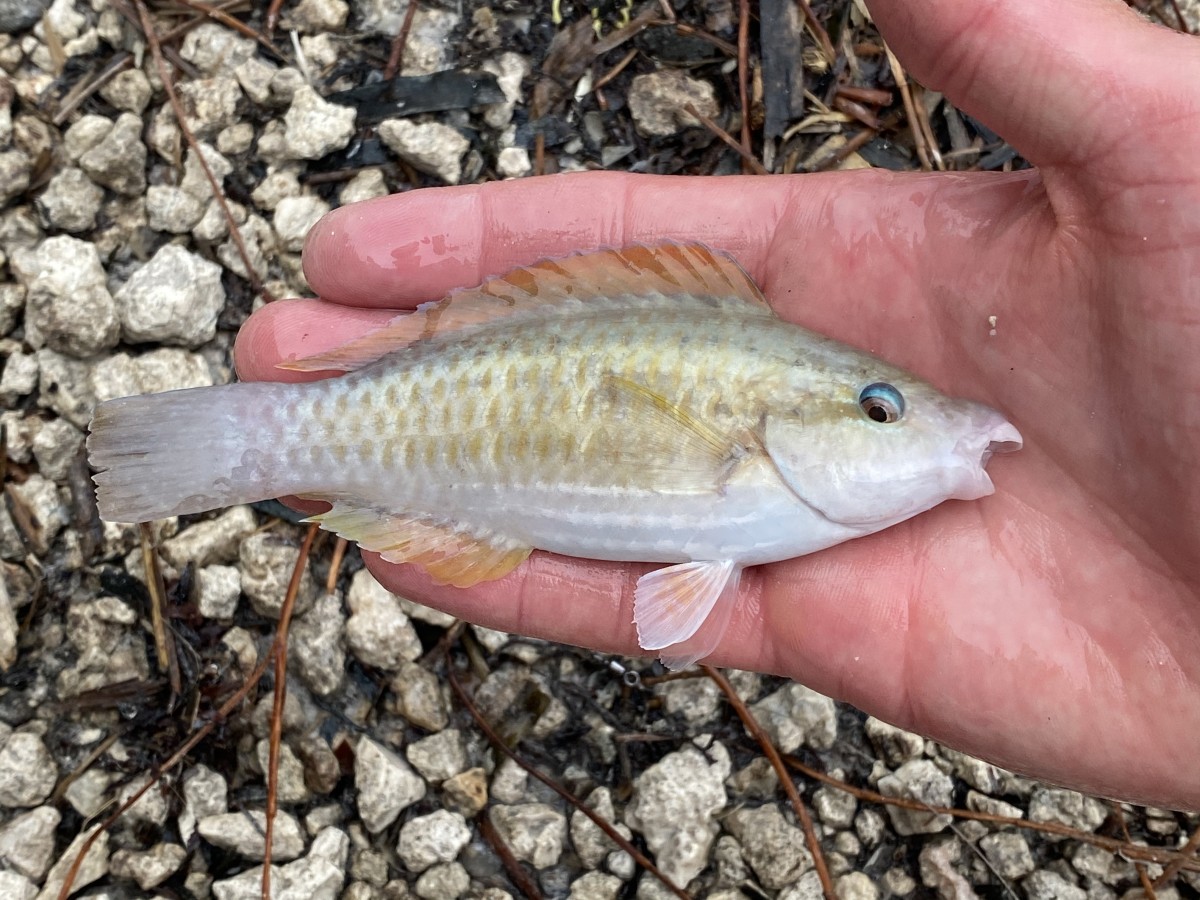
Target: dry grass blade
{"points": [[753, 164], [1160, 855], [785, 777], [910, 108], [743, 70], [222, 714], [279, 651], [600, 822], [163, 645], [164, 74]]}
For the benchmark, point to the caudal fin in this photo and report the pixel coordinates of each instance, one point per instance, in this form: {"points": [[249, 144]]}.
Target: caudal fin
{"points": [[183, 452]]}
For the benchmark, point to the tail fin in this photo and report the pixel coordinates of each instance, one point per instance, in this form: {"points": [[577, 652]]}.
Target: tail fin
{"points": [[186, 451]]}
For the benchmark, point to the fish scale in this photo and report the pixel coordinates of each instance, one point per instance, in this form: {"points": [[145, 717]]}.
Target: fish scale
{"points": [[641, 404]]}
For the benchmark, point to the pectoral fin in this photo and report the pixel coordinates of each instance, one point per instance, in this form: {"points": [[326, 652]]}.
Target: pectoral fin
{"points": [[683, 610], [449, 553]]}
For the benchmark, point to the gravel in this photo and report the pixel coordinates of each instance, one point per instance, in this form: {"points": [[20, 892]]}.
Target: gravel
{"points": [[119, 275]]}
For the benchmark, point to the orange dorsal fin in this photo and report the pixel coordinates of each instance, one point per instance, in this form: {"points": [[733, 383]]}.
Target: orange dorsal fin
{"points": [[448, 553], [634, 275]]}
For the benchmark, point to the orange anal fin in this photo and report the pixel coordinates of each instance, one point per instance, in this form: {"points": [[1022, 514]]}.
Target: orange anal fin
{"points": [[450, 554], [683, 610], [634, 275]]}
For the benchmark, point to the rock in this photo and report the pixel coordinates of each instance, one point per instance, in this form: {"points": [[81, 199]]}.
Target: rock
{"points": [[1047, 885], [149, 868], [938, 871], [513, 162], [205, 794], [757, 781], [291, 787], [317, 16], [319, 646], [284, 85], [898, 882], [430, 147], [366, 185], [12, 301], [118, 160], [437, 837], [213, 48], [71, 201], [796, 715], [1066, 807], [772, 846], [318, 876], [235, 139], [439, 756], [267, 561], [214, 541], [923, 781], [67, 304], [419, 698], [657, 101], [20, 377], [895, 745], [8, 642], [385, 783], [217, 591], [15, 169], [129, 90], [427, 49], [835, 808], [94, 867], [55, 447], [510, 783], [1008, 853], [151, 808], [41, 497], [596, 886], [314, 126], [108, 649], [18, 15], [278, 184], [175, 298], [446, 881], [534, 832], [88, 794], [378, 632], [84, 134], [466, 792], [27, 841], [592, 844], [295, 217], [242, 833], [510, 70], [209, 104], [696, 700], [172, 209], [673, 806], [122, 375], [194, 179], [12, 885], [993, 807]]}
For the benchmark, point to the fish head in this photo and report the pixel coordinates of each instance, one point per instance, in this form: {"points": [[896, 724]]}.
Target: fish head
{"points": [[870, 449]]}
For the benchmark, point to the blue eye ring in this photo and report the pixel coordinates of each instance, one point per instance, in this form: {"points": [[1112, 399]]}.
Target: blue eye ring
{"points": [[881, 402]]}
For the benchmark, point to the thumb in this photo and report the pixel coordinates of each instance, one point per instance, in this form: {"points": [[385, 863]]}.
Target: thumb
{"points": [[1074, 85]]}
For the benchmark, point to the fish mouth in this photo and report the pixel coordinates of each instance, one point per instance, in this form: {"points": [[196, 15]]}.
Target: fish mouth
{"points": [[1003, 438], [992, 434]]}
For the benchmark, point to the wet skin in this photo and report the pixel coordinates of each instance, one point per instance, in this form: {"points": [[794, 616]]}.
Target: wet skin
{"points": [[1053, 628]]}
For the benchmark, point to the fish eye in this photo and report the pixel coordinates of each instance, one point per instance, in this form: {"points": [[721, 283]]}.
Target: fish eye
{"points": [[881, 402]]}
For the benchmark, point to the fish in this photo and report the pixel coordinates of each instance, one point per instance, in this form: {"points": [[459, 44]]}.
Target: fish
{"points": [[642, 404]]}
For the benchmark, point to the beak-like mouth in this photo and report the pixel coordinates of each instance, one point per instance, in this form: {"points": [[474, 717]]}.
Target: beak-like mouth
{"points": [[1002, 438]]}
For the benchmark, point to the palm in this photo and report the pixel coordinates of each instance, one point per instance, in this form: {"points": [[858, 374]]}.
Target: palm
{"points": [[1051, 627]]}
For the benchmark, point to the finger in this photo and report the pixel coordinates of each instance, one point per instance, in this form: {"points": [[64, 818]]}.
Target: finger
{"points": [[293, 329], [416, 246], [1063, 82]]}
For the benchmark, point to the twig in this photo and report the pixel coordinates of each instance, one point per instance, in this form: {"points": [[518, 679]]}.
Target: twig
{"points": [[85, 89], [273, 16], [601, 823], [396, 56], [1140, 868], [279, 651], [910, 108], [219, 15], [335, 565], [616, 70], [753, 164], [1188, 852], [1183, 25], [222, 714], [164, 75], [1160, 855], [815, 26], [164, 646], [785, 777], [520, 878], [724, 46], [184, 27], [743, 71]]}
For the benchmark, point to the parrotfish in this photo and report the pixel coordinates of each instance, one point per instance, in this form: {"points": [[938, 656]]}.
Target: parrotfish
{"points": [[641, 404]]}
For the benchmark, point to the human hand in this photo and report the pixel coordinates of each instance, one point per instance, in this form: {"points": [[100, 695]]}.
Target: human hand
{"points": [[1053, 628]]}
